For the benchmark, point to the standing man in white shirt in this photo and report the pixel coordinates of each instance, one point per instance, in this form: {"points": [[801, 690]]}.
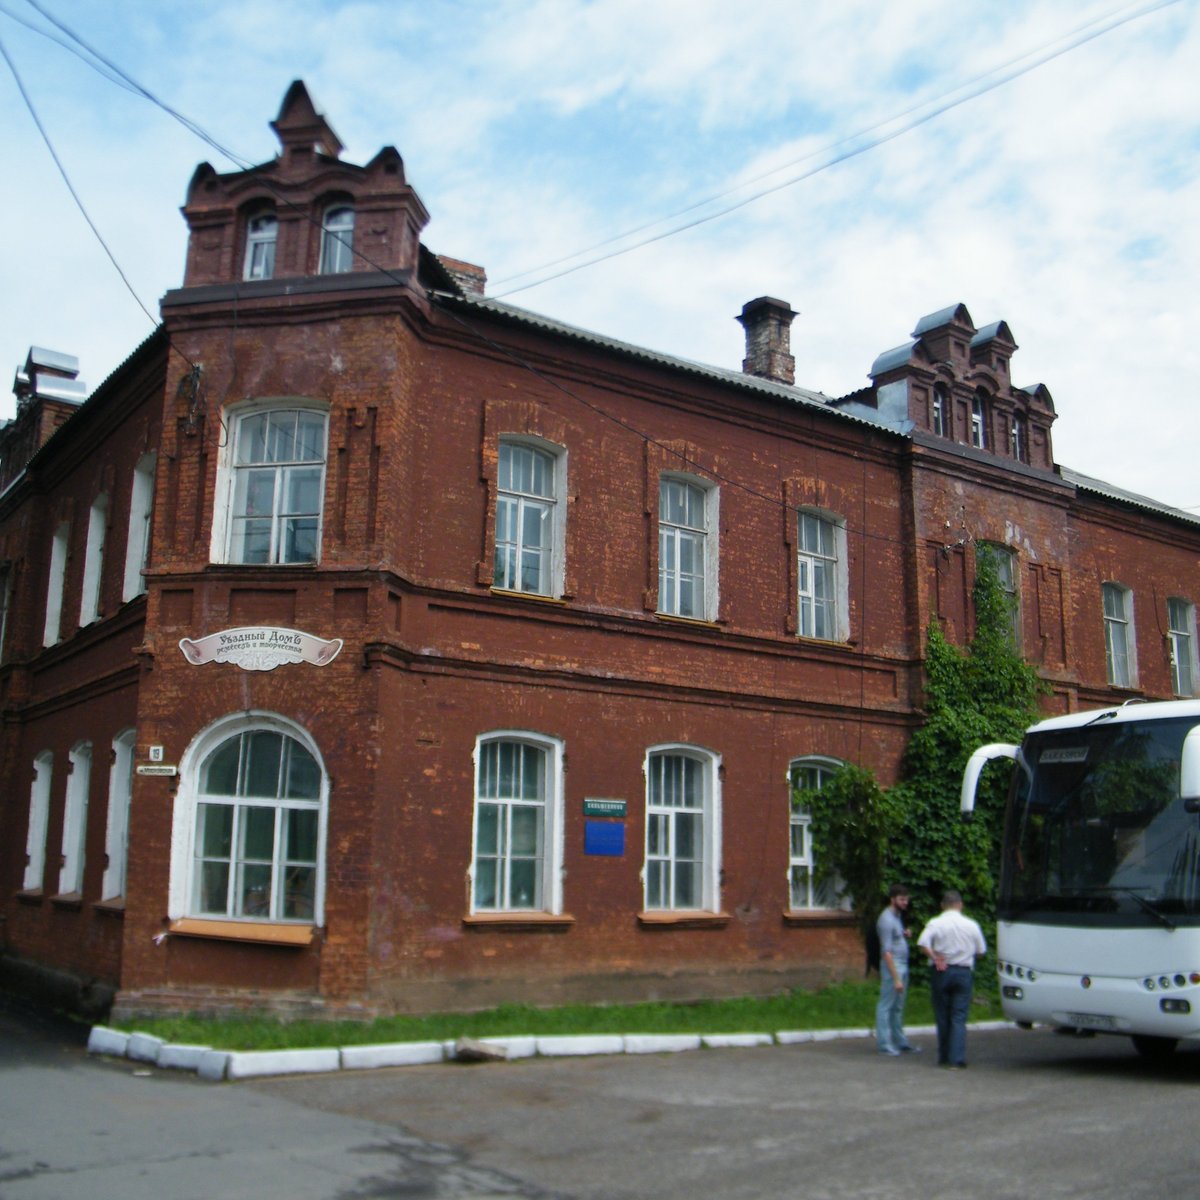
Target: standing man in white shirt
{"points": [[952, 942]]}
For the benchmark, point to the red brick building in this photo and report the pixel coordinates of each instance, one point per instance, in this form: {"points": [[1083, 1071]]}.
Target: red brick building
{"points": [[371, 644]]}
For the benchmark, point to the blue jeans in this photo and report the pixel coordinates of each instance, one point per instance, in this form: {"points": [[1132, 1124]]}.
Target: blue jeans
{"points": [[889, 1012], [952, 990]]}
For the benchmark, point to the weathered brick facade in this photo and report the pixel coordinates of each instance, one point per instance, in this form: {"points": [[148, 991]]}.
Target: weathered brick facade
{"points": [[423, 385]]}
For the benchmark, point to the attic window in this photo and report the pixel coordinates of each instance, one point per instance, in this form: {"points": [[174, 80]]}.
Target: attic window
{"points": [[337, 240]]}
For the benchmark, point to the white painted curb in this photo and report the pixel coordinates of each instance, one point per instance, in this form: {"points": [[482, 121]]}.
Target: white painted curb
{"points": [[216, 1065], [392, 1054], [569, 1044], [660, 1043], [244, 1064], [144, 1047], [212, 1065], [103, 1040], [727, 1041], [182, 1058]]}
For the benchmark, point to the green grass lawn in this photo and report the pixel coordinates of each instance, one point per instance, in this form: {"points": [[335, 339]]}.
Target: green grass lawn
{"points": [[841, 1006]]}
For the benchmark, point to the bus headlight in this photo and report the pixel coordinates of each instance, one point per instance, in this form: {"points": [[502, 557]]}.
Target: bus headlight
{"points": [[1013, 993], [1179, 1007]]}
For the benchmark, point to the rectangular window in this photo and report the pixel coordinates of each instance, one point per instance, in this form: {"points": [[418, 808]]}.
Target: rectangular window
{"points": [[75, 818], [806, 776], [818, 577], [1181, 617], [93, 561], [54, 585], [528, 549], [39, 817], [1004, 561], [137, 545], [516, 856], [681, 832], [1118, 635], [278, 487], [979, 422], [686, 549]]}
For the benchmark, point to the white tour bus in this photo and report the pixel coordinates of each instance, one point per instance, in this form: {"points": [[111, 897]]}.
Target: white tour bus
{"points": [[1098, 918]]}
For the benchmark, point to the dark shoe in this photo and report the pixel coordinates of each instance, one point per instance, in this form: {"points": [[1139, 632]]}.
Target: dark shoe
{"points": [[910, 1049]]}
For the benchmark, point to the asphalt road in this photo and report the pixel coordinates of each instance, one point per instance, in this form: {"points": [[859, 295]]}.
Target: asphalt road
{"points": [[1036, 1114]]}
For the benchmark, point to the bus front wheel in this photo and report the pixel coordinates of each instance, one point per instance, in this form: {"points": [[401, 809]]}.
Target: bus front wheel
{"points": [[1154, 1047]]}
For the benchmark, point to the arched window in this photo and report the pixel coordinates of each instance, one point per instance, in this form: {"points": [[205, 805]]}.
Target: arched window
{"points": [[116, 836], [261, 234], [683, 852], [249, 832], [337, 240], [75, 819], [39, 817], [517, 853]]}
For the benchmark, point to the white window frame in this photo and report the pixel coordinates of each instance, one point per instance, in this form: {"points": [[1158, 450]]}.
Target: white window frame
{"points": [[116, 831], [55, 584], [1019, 438], [979, 406], [941, 410], [1181, 624], [225, 518], [93, 561], [664, 857], [262, 233], [703, 503], [75, 820], [801, 860], [39, 820], [548, 809], [337, 239], [546, 507], [1120, 643], [137, 544], [822, 611], [184, 884]]}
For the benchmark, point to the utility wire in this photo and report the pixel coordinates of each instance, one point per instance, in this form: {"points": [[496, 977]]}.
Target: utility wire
{"points": [[848, 139], [915, 122], [62, 170]]}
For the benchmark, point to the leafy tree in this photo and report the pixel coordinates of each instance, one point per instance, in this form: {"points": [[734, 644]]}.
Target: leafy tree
{"points": [[868, 837]]}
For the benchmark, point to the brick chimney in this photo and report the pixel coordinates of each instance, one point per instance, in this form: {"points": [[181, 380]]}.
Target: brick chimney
{"points": [[768, 324]]}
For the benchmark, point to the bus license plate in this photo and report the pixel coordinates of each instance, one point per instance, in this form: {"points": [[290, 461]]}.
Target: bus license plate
{"points": [[1091, 1021]]}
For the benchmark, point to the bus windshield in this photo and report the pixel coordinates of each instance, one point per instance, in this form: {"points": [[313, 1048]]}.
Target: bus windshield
{"points": [[1096, 832]]}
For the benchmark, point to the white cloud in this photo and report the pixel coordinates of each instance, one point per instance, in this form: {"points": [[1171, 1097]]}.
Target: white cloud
{"points": [[1063, 201]]}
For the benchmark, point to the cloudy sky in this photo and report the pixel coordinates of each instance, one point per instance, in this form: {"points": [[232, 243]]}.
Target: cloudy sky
{"points": [[1037, 160]]}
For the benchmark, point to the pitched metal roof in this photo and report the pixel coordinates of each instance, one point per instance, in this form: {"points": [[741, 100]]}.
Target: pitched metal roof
{"points": [[1085, 483], [788, 393]]}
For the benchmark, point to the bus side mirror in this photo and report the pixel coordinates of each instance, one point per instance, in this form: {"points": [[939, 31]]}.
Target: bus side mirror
{"points": [[1189, 771], [980, 759]]}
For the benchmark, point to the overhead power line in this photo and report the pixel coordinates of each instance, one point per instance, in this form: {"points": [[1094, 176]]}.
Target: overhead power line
{"points": [[912, 119]]}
